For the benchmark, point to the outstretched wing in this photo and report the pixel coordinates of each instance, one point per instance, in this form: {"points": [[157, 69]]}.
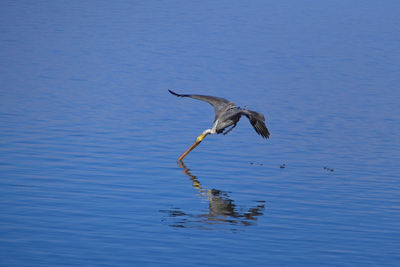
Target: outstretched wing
{"points": [[258, 121], [219, 104]]}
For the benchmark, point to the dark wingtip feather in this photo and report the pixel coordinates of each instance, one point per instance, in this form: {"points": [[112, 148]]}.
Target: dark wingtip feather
{"points": [[257, 121], [261, 129], [176, 94], [172, 92]]}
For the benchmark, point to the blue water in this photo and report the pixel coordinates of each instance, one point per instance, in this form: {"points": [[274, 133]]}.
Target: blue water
{"points": [[90, 135]]}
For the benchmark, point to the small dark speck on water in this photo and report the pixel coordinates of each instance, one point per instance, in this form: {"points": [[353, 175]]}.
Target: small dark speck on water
{"points": [[328, 169], [283, 166]]}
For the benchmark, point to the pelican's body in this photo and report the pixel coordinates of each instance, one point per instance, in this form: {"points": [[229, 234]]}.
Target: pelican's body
{"points": [[226, 114]]}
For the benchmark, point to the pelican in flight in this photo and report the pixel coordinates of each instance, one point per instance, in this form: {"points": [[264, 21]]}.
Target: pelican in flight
{"points": [[226, 114]]}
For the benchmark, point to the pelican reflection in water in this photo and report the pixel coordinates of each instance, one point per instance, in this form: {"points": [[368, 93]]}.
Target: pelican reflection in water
{"points": [[221, 208], [226, 114]]}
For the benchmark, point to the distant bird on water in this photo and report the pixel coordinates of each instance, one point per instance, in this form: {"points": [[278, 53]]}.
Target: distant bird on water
{"points": [[226, 114]]}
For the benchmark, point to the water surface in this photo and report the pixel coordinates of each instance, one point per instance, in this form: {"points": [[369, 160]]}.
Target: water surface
{"points": [[90, 135]]}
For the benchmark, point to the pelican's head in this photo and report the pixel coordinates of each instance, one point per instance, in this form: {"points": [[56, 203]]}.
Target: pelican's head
{"points": [[203, 135]]}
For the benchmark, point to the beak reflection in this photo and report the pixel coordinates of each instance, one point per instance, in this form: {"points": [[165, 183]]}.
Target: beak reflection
{"points": [[222, 209]]}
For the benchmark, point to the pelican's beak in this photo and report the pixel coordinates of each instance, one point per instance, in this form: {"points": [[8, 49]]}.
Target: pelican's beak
{"points": [[196, 143]]}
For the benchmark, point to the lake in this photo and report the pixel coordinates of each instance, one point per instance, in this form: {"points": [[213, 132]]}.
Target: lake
{"points": [[90, 135]]}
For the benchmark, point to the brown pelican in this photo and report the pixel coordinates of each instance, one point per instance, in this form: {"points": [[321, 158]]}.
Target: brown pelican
{"points": [[226, 114]]}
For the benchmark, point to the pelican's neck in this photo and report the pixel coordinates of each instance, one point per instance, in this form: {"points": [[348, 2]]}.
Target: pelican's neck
{"points": [[207, 132], [213, 129]]}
